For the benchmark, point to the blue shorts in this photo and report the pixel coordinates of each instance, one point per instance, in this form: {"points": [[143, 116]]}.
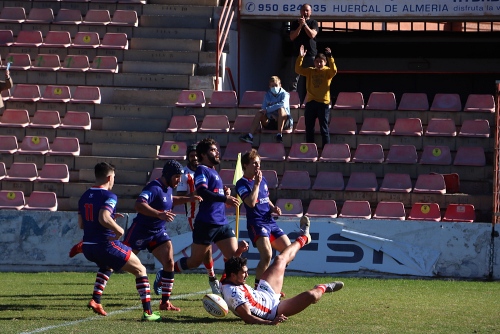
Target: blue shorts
{"points": [[206, 234], [140, 237], [113, 254], [264, 229]]}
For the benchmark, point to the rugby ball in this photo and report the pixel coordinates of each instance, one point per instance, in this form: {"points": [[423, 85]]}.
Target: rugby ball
{"points": [[215, 305]]}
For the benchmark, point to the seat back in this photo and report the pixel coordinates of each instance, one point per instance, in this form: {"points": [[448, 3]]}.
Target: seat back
{"points": [[22, 171], [46, 62], [396, 182], [460, 213], [57, 39], [41, 200], [234, 148], [214, 123], [191, 98], [335, 153], [68, 16], [307, 152], [173, 150], [408, 127], [443, 127], [223, 99], [25, 93], [470, 156], [252, 99], [295, 179], [343, 126], [32, 38], [271, 178], [402, 154], [430, 184], [45, 119], [322, 208], [6, 37], [301, 126], [332, 181], [19, 61], [34, 145], [480, 103], [271, 151], [13, 15], [3, 170], [15, 118], [79, 63], [97, 17], [54, 173], [375, 126], [294, 100], [414, 101], [8, 144], [40, 15], [104, 64], [349, 100], [113, 40], [243, 123], [381, 101], [11, 199], [65, 146], [425, 211], [369, 153], [475, 128], [86, 39], [127, 18], [446, 102], [87, 94], [436, 155], [290, 207], [390, 210], [183, 123], [76, 120], [57, 93], [356, 209], [362, 181]]}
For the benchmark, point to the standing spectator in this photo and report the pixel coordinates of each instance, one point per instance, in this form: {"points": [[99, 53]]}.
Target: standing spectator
{"points": [[186, 187], [303, 32], [318, 79], [96, 216], [4, 85], [275, 112], [154, 209], [263, 231], [211, 225]]}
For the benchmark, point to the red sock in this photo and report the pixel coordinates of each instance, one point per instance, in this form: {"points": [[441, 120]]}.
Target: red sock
{"points": [[322, 287], [302, 240]]}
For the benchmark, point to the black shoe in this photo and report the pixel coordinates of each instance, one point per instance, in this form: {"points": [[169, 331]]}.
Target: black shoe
{"points": [[279, 138]]}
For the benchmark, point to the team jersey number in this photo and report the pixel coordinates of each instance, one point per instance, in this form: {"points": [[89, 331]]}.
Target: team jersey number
{"points": [[89, 212]]}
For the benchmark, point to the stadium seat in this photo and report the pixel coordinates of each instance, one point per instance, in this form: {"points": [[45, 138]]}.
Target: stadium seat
{"points": [[46, 62], [435, 155], [301, 126], [22, 171], [430, 184], [65, 146], [443, 127], [127, 18], [76, 120], [381, 101], [173, 150], [414, 101], [181, 123], [343, 126], [425, 211], [6, 94], [191, 98], [42, 201], [475, 128], [329, 181], [57, 39], [307, 152], [252, 99], [362, 181], [25, 93], [294, 100], [402, 154], [34, 145], [290, 207], [6, 38], [271, 151], [356, 209], [104, 64], [75, 63], [223, 99], [319, 208], [480, 103], [155, 174], [86, 94], [233, 148], [227, 177], [407, 127], [349, 100], [49, 119], [13, 15], [390, 210], [295, 179], [335, 153], [460, 213], [375, 126], [396, 182], [369, 153], [98, 17], [470, 156], [214, 123], [68, 16], [17, 118], [452, 182], [19, 61], [8, 144], [271, 178], [55, 93], [29, 38], [54, 173], [242, 123], [11, 200], [40, 15], [85, 39], [3, 170], [113, 40], [446, 102]]}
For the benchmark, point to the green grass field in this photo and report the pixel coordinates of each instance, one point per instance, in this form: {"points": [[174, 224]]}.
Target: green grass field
{"points": [[56, 303]]}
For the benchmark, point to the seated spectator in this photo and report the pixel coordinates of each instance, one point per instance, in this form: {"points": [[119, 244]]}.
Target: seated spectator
{"points": [[275, 112]]}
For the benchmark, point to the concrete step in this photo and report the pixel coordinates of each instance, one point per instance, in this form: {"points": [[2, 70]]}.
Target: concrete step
{"points": [[135, 124], [177, 21], [159, 67], [122, 163], [179, 10], [121, 177], [124, 137], [187, 2], [125, 150], [130, 111], [166, 44], [196, 57], [173, 33], [145, 97]]}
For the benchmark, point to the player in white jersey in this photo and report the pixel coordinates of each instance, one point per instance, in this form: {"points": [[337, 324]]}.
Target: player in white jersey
{"points": [[263, 305]]}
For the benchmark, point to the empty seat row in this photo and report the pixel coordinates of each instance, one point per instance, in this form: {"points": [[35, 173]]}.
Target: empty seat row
{"points": [[62, 39], [40, 145], [69, 16], [27, 171], [38, 200], [53, 93], [52, 62], [46, 119]]}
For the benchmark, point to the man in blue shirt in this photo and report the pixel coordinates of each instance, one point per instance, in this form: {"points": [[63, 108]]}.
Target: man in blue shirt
{"points": [[96, 216], [275, 112]]}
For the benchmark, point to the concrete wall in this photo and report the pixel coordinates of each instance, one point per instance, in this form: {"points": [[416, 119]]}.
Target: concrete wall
{"points": [[39, 241]]}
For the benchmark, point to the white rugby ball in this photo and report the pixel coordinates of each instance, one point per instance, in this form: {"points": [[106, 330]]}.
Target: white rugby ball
{"points": [[215, 305]]}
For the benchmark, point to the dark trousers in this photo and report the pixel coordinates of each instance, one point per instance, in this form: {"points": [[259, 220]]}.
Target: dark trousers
{"points": [[320, 111]]}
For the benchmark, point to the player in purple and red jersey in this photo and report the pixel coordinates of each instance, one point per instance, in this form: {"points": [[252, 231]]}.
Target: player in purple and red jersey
{"points": [[147, 232], [96, 216], [263, 230], [211, 225]]}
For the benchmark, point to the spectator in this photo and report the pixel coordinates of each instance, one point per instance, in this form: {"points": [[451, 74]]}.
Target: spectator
{"points": [[4, 85]]}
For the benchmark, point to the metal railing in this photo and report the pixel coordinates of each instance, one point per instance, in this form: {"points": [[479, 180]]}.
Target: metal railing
{"points": [[223, 28]]}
